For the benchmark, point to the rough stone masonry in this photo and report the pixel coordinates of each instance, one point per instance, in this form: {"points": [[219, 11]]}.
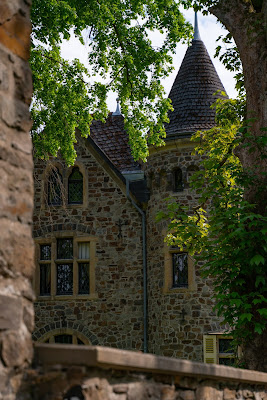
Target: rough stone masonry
{"points": [[16, 196]]}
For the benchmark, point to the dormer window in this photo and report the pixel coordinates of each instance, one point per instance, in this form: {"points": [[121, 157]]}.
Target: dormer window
{"points": [[75, 187], [178, 184]]}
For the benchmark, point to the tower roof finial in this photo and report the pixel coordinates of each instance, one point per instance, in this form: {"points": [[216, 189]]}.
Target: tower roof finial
{"points": [[196, 31], [118, 111]]}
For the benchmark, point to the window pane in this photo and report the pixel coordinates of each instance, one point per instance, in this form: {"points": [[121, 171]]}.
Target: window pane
{"points": [[226, 346], [79, 341], [55, 188], [45, 250], [75, 187], [84, 286], [45, 279], [227, 361], [63, 339], [180, 270], [178, 180], [84, 251], [64, 279], [65, 249]]}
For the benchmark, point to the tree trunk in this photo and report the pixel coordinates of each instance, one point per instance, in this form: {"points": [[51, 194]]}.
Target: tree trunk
{"points": [[248, 28]]}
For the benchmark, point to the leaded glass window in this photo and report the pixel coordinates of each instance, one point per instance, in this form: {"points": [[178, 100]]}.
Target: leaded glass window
{"points": [[45, 270], [66, 266], [178, 184], [64, 279], [84, 286], [45, 279], [180, 269], [65, 249], [55, 188], [45, 250], [75, 187]]}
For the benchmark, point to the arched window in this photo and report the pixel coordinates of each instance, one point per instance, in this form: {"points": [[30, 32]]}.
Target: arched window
{"points": [[75, 187], [55, 188], [178, 184], [64, 336]]}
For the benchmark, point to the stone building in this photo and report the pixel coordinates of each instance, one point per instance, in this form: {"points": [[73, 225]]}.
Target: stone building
{"points": [[104, 275]]}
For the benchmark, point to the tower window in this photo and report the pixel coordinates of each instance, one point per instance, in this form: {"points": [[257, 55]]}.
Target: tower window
{"points": [[180, 270], [178, 184], [75, 187]]}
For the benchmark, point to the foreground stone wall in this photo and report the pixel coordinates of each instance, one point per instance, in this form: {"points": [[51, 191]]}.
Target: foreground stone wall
{"points": [[97, 373], [178, 317], [16, 196]]}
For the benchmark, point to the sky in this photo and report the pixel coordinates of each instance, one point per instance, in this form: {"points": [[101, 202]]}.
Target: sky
{"points": [[209, 30]]}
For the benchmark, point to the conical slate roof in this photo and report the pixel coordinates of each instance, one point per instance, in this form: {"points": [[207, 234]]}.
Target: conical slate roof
{"points": [[192, 92]]}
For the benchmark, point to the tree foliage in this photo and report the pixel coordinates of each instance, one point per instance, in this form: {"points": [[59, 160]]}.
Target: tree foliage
{"points": [[120, 53]]}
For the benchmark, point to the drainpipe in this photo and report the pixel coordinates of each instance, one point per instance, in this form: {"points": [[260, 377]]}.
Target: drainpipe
{"points": [[143, 215]]}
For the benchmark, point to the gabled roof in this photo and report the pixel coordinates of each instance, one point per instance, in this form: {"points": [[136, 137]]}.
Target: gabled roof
{"points": [[113, 140], [192, 93]]}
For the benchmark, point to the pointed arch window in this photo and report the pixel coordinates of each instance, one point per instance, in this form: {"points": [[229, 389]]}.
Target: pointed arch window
{"points": [[75, 187], [178, 184], [55, 187]]}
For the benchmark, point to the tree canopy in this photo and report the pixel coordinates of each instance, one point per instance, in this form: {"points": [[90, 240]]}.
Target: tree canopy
{"points": [[69, 96]]}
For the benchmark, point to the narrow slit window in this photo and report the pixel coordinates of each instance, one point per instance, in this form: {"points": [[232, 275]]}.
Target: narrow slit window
{"points": [[180, 270], [178, 184], [75, 187]]}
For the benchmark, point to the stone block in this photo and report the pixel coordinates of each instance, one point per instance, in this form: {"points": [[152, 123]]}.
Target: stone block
{"points": [[229, 394], [138, 391], [96, 389], [10, 312], [248, 394], [208, 393], [16, 348], [186, 395]]}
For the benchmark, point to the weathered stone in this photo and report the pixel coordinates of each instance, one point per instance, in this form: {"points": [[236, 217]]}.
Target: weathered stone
{"points": [[120, 388], [137, 391], [10, 312], [229, 394], [186, 395], [168, 393], [248, 394], [16, 348], [208, 393], [96, 389]]}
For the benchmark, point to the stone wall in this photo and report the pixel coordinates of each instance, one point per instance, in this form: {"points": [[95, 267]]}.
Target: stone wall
{"points": [[178, 317], [16, 196], [114, 316], [96, 373]]}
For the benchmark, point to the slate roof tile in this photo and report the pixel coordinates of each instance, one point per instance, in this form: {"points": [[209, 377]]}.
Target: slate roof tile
{"points": [[192, 93], [112, 139]]}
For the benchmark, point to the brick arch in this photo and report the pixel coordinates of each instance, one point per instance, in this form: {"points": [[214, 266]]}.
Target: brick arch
{"points": [[68, 327], [42, 231]]}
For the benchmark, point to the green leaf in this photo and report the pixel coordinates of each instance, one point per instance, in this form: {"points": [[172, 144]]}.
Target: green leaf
{"points": [[257, 259]]}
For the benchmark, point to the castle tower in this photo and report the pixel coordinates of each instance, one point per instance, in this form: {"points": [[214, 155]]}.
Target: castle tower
{"points": [[179, 299]]}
